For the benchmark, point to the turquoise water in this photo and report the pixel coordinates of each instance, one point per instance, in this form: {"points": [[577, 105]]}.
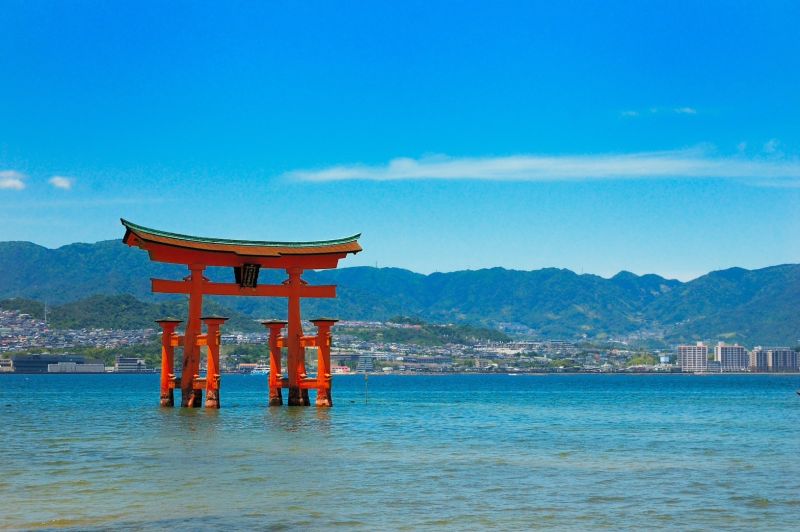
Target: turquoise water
{"points": [[455, 452]]}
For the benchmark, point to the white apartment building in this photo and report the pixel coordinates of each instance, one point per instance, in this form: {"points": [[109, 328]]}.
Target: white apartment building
{"points": [[731, 357], [693, 358]]}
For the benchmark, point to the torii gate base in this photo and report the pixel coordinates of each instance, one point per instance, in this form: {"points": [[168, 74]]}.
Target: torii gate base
{"points": [[297, 380], [169, 340]]}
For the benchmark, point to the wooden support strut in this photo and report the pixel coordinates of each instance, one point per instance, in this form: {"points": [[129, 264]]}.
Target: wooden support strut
{"points": [[212, 340], [190, 396], [296, 359], [168, 326], [323, 342], [276, 341]]}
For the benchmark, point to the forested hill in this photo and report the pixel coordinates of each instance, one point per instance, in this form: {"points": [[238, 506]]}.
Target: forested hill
{"points": [[749, 306]]}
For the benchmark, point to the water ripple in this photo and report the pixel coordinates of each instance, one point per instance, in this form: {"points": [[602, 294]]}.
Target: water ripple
{"points": [[426, 453]]}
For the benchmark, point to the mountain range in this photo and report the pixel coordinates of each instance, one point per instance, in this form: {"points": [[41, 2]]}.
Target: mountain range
{"points": [[747, 306]]}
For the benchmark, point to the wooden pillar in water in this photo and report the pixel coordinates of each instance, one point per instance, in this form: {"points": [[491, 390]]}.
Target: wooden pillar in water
{"points": [[296, 359], [275, 372], [191, 351], [168, 326], [213, 323], [323, 342]]}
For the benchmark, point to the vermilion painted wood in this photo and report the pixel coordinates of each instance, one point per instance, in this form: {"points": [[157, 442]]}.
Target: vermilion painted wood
{"points": [[197, 253], [165, 286], [168, 326]]}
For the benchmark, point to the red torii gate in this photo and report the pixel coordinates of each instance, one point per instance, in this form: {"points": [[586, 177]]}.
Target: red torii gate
{"points": [[247, 258]]}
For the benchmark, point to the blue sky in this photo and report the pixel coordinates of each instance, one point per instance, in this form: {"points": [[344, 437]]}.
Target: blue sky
{"points": [[598, 136]]}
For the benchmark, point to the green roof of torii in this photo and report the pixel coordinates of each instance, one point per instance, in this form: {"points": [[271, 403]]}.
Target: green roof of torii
{"points": [[130, 226]]}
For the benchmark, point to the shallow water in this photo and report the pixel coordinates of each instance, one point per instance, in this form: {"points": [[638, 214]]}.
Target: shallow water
{"points": [[462, 451]]}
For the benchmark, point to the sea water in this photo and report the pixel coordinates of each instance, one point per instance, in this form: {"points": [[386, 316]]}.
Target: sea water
{"points": [[405, 452]]}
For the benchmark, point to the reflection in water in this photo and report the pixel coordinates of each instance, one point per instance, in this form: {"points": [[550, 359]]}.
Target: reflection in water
{"points": [[201, 422], [324, 419], [298, 419]]}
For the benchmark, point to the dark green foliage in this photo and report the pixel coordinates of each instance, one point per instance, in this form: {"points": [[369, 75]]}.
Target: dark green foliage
{"points": [[643, 359], [121, 312], [109, 312], [25, 306], [750, 307], [248, 353]]}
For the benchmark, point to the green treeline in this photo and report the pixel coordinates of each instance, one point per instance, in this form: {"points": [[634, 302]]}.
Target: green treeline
{"points": [[121, 312]]}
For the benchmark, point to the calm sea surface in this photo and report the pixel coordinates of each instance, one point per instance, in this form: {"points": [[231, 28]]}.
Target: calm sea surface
{"points": [[456, 452]]}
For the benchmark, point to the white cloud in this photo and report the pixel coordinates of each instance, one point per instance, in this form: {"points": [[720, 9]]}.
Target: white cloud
{"points": [[12, 180], [660, 110], [695, 163], [61, 182]]}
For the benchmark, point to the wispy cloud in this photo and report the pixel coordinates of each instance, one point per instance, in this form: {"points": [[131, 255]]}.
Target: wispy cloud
{"points": [[632, 113], [693, 163], [61, 182], [12, 180]]}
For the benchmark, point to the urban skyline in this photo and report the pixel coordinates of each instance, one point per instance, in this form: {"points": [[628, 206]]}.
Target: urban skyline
{"points": [[22, 336]]}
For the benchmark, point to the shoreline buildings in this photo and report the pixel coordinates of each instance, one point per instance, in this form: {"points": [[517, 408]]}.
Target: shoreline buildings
{"points": [[693, 358], [736, 358], [131, 365], [731, 357], [773, 359], [45, 363]]}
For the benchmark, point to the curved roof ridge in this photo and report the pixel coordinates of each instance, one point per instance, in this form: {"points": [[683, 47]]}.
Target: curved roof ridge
{"points": [[254, 243]]}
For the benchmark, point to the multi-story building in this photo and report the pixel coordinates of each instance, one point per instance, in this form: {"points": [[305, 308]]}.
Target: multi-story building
{"points": [[693, 358], [731, 357], [758, 359], [784, 359], [39, 363], [365, 364], [773, 359], [130, 365], [74, 367]]}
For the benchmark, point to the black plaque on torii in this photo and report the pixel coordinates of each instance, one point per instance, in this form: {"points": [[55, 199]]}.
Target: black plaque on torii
{"points": [[247, 275]]}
